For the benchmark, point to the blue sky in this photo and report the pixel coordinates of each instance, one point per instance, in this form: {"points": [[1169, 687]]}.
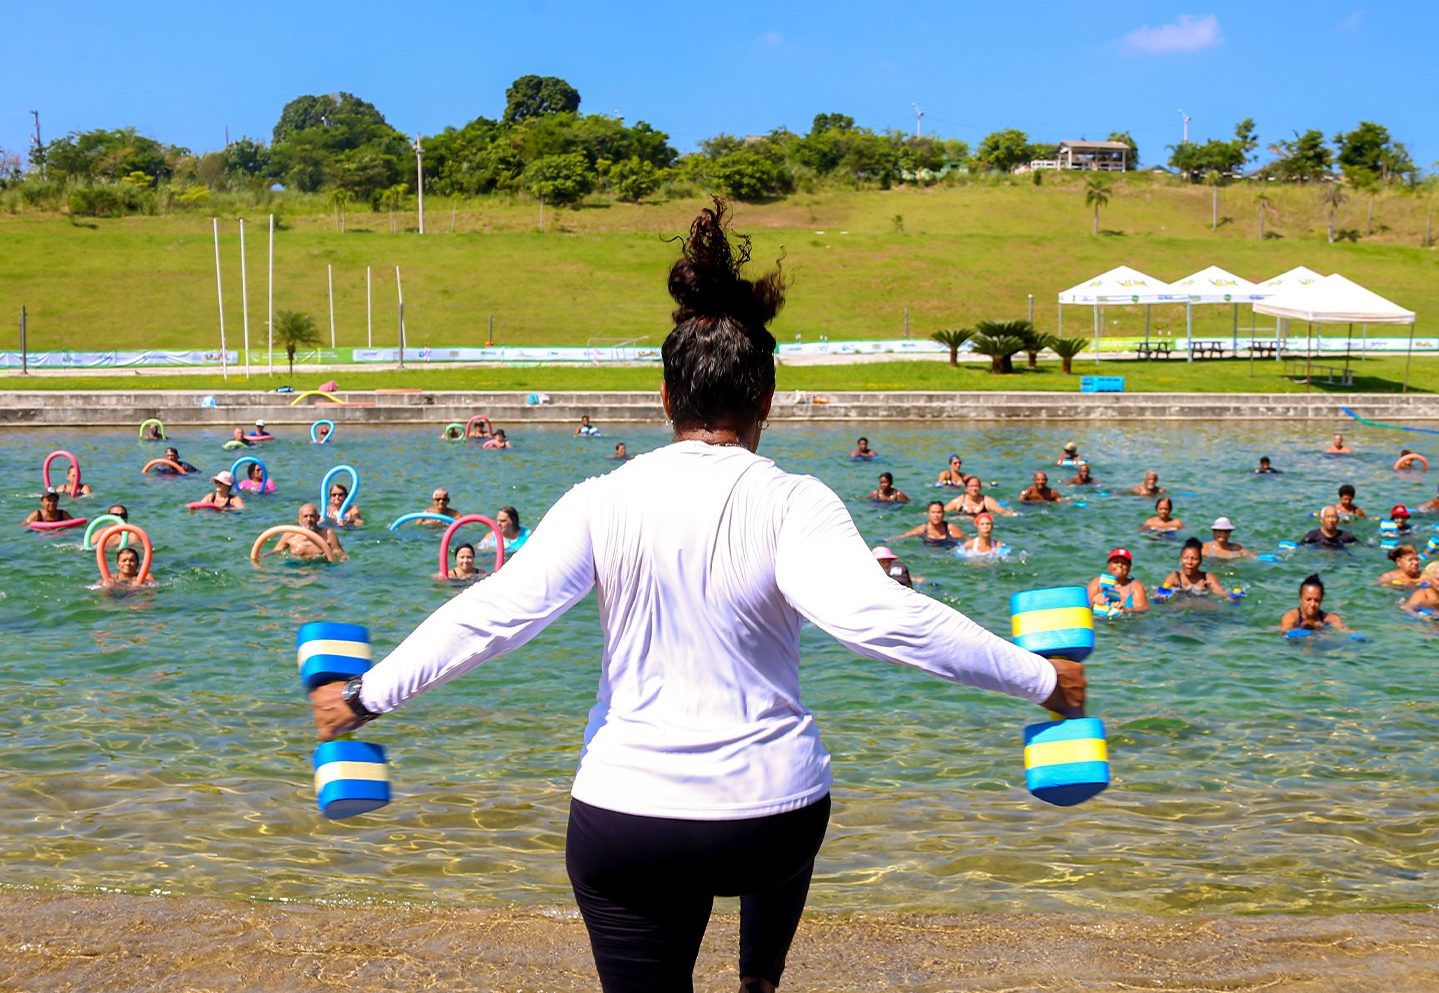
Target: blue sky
{"points": [[184, 73]]}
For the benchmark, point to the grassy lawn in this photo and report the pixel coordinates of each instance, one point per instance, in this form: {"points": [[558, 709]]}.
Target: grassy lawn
{"points": [[857, 261], [1205, 376]]}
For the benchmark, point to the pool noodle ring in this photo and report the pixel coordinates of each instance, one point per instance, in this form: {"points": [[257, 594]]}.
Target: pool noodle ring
{"points": [[202, 505], [455, 525], [146, 559], [301, 397], [73, 522], [454, 431], [280, 529], [489, 428], [490, 444], [158, 423], [331, 652], [349, 497], [243, 460], [233, 444], [259, 438], [315, 439], [179, 469], [1406, 462], [419, 515], [45, 469], [100, 522]]}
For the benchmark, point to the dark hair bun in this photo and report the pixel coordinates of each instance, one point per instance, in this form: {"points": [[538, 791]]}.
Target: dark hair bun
{"points": [[706, 282]]}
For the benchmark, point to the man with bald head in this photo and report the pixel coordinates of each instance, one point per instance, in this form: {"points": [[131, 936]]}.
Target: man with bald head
{"points": [[1327, 534], [303, 548]]}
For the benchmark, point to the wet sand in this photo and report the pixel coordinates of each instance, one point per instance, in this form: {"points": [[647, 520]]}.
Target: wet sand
{"points": [[129, 943]]}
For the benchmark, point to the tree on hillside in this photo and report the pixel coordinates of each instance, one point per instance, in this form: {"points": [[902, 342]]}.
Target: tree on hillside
{"points": [[1132, 161], [1302, 160], [111, 155], [1369, 149], [1002, 151], [535, 96], [295, 328], [1265, 206], [1096, 194], [245, 159], [338, 140], [1333, 198], [340, 202], [1226, 159], [953, 338], [562, 180]]}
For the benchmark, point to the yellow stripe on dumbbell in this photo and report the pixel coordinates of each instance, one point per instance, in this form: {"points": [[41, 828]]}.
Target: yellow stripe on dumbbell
{"points": [[325, 646], [1062, 752], [1053, 619], [331, 771]]}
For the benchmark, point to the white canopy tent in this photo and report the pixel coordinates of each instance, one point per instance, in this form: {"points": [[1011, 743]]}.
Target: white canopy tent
{"points": [[1213, 285], [1337, 300], [1120, 286], [1294, 280]]}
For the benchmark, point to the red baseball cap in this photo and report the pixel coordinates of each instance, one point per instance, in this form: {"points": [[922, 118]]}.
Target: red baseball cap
{"points": [[1399, 511], [1120, 553]]}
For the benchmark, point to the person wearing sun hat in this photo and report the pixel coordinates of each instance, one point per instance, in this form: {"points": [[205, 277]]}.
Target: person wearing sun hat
{"points": [[261, 431], [892, 566], [1221, 547], [224, 497], [1125, 594], [1069, 455]]}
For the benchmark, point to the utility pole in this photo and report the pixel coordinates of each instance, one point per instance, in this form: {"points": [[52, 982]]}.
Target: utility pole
{"points": [[420, 179], [39, 145], [918, 121]]}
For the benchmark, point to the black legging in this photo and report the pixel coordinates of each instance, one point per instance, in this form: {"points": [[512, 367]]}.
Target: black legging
{"points": [[646, 886]]}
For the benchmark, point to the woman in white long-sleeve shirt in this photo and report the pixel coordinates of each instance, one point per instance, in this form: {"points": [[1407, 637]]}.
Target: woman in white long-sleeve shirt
{"points": [[702, 773]]}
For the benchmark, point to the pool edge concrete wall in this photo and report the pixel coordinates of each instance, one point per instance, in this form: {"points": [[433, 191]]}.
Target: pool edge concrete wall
{"points": [[41, 409]]}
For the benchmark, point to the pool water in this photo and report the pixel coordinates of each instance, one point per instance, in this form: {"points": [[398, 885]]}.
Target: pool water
{"points": [[157, 741]]}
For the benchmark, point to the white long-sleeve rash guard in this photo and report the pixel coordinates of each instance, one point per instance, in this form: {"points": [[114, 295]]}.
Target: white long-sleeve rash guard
{"points": [[705, 559]]}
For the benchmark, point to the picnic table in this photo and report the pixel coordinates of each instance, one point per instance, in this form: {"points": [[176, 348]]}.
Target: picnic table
{"points": [[1207, 348], [1155, 349], [1263, 349], [1303, 367]]}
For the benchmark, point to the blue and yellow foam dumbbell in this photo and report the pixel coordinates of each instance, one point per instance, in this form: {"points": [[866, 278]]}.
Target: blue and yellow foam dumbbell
{"points": [[351, 777], [1066, 761]]}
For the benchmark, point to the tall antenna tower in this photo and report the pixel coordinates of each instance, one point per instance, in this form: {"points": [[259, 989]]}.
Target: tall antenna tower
{"points": [[1186, 125], [918, 121]]}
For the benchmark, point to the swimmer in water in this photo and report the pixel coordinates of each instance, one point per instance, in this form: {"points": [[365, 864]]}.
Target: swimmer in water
{"points": [[863, 451], [49, 511], [1221, 547], [498, 440], [440, 504], [1327, 534], [954, 475], [1150, 487], [1266, 468], [238, 436], [309, 519], [621, 453], [1127, 594], [152, 433], [465, 564], [585, 428], [1347, 507], [127, 570], [69, 489], [984, 542], [173, 454], [1082, 477], [1406, 573], [1069, 455], [1163, 521], [892, 566], [886, 492], [1189, 577], [1399, 514], [1310, 614], [119, 511], [260, 431], [336, 500], [1039, 491], [1425, 600], [1337, 447], [255, 481], [1428, 506], [223, 497], [935, 530], [321, 433], [972, 501], [508, 518]]}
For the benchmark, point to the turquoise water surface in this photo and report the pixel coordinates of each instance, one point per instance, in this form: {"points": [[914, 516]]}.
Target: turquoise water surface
{"points": [[157, 741]]}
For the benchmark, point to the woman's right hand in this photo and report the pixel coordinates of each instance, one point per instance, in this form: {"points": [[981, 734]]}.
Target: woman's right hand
{"points": [[1069, 687]]}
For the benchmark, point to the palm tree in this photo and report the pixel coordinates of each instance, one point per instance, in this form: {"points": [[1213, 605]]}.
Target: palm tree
{"points": [[295, 328], [952, 339], [1214, 180], [1263, 201], [1096, 195], [1034, 341], [339, 201], [998, 340], [1067, 349], [1333, 197]]}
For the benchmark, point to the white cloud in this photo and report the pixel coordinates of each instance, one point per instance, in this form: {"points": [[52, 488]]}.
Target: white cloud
{"points": [[1350, 23], [1185, 34]]}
